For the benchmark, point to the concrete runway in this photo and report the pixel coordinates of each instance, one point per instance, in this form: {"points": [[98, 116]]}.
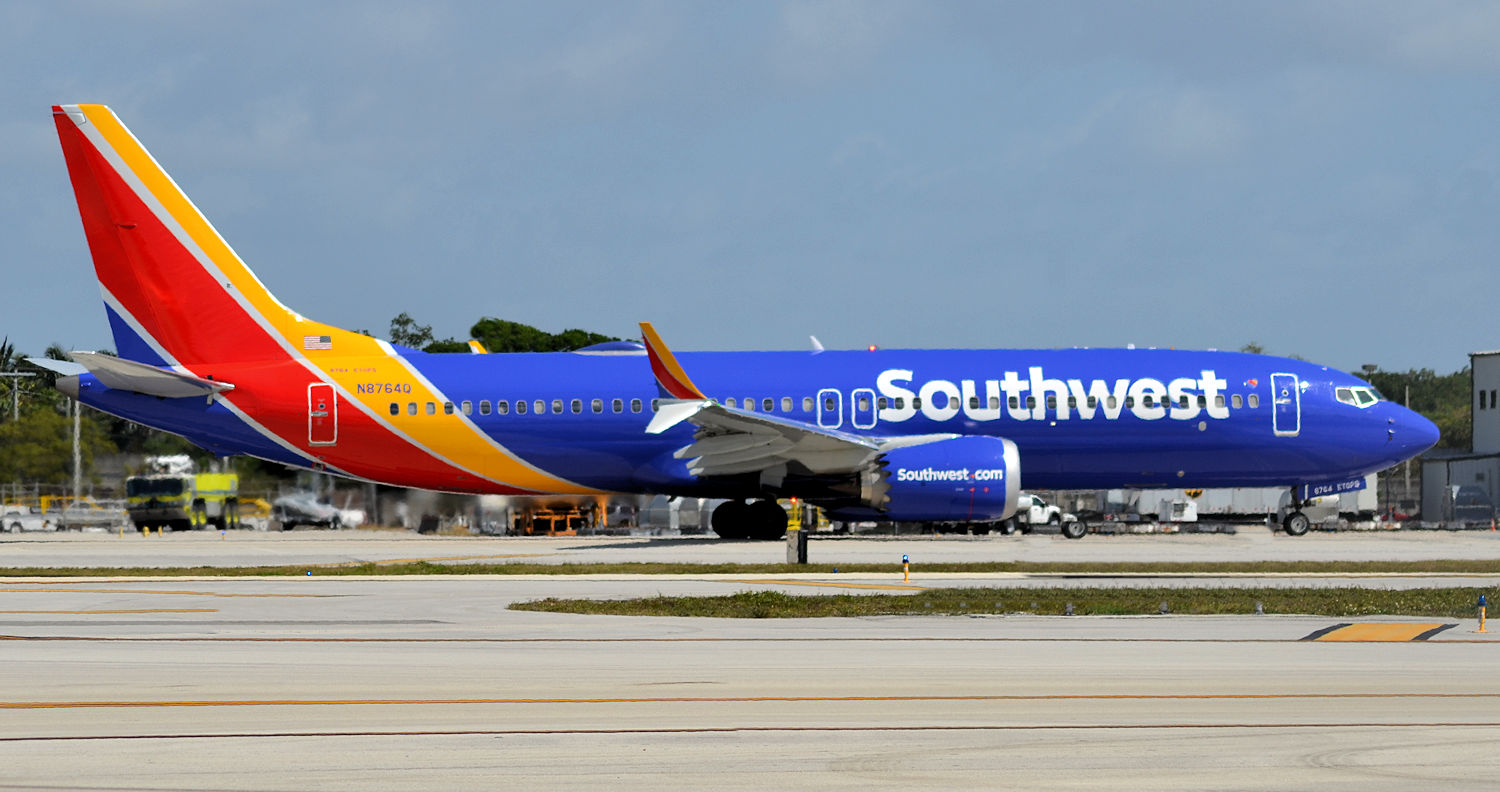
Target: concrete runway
{"points": [[253, 548], [430, 683]]}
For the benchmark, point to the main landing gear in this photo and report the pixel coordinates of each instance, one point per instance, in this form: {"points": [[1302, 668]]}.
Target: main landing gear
{"points": [[1295, 523], [763, 519]]}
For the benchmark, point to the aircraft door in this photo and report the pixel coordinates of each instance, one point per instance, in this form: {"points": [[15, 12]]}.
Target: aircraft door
{"points": [[862, 408], [830, 408], [1286, 405], [322, 414]]}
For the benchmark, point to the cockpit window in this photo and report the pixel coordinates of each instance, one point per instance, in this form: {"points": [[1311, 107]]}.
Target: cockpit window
{"points": [[1361, 397]]}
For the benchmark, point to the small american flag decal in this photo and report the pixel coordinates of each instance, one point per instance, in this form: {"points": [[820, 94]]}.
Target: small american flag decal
{"points": [[317, 342]]}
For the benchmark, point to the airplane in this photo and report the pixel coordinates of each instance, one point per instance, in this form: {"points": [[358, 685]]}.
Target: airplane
{"points": [[203, 350]]}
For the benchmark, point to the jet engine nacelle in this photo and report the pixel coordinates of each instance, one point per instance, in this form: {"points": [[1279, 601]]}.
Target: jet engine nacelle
{"points": [[961, 479]]}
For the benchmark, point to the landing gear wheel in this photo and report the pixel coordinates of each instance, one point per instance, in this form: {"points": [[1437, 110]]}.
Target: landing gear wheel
{"points": [[1008, 527], [768, 520], [731, 520], [1296, 524], [1073, 529]]}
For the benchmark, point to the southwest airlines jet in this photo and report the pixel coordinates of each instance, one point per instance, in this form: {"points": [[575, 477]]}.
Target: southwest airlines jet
{"points": [[206, 352]]}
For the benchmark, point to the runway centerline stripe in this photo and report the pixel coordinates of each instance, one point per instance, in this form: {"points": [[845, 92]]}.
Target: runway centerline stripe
{"points": [[27, 705], [1378, 632], [132, 610], [170, 592], [769, 729], [890, 587]]}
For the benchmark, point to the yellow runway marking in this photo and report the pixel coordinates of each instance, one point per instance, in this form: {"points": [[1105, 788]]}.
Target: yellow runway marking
{"points": [[19, 705], [1380, 633], [151, 591], [134, 610], [884, 586], [909, 727]]}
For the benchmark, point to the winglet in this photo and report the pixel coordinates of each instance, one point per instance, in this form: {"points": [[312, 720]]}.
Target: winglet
{"points": [[670, 378], [477, 348]]}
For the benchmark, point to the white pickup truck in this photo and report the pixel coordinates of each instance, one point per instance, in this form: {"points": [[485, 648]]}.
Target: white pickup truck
{"points": [[15, 519], [1032, 511]]}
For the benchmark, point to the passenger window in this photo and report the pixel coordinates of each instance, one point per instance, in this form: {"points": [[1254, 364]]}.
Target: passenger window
{"points": [[520, 407], [1254, 400], [617, 406], [807, 404], [431, 408], [973, 402], [655, 405], [576, 405], [1031, 402], [1052, 402], [1073, 402], [538, 407], [1183, 402], [994, 402], [900, 402], [635, 405], [830, 404], [1111, 402], [484, 406], [768, 405], [1237, 401], [557, 406], [864, 402], [750, 405], [916, 403], [1015, 402], [1219, 400], [502, 407], [411, 408], [447, 408], [468, 408], [1093, 402], [882, 402], [395, 408], [1129, 402], [731, 402], [1148, 401], [786, 404]]}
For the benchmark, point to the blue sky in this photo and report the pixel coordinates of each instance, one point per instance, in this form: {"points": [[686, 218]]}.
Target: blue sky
{"points": [[1320, 178]]}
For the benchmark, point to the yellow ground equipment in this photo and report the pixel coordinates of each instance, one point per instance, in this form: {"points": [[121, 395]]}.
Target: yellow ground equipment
{"points": [[183, 501]]}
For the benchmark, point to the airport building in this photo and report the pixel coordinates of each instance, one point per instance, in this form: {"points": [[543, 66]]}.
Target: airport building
{"points": [[1463, 488]]}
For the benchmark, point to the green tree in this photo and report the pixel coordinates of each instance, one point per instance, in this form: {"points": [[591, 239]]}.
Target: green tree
{"points": [[503, 335], [39, 447]]}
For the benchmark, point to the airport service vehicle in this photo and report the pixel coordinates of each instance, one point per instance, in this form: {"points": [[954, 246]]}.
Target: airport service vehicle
{"points": [[15, 518], [944, 436], [183, 500], [305, 508]]}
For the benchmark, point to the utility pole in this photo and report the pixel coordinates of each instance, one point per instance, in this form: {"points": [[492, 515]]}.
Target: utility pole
{"points": [[15, 391], [77, 454]]}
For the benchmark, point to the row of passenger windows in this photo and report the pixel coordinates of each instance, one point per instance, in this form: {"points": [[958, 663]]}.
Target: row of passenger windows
{"points": [[540, 406]]}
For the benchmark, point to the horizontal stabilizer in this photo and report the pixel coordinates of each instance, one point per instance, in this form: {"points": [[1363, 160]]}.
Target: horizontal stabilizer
{"points": [[122, 374]]}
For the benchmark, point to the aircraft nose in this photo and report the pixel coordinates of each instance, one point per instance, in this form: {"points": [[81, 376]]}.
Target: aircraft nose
{"points": [[1412, 432]]}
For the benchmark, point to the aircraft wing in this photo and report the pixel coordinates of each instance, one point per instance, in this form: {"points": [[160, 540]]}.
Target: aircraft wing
{"points": [[731, 440]]}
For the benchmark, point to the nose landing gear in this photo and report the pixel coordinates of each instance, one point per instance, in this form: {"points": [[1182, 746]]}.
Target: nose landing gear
{"points": [[1295, 523]]}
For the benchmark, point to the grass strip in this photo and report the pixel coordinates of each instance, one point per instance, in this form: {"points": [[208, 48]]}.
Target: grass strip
{"points": [[1453, 566], [1445, 603]]}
